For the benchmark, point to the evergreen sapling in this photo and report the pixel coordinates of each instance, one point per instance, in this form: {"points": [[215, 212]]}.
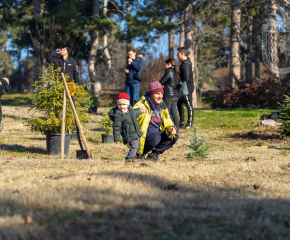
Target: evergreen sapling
{"points": [[197, 145], [107, 124]]}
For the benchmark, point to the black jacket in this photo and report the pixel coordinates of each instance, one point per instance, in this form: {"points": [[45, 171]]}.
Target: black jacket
{"points": [[170, 82], [67, 66], [186, 74], [4, 87]]}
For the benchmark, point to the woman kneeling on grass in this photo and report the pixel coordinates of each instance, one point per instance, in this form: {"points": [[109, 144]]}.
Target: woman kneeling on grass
{"points": [[159, 132]]}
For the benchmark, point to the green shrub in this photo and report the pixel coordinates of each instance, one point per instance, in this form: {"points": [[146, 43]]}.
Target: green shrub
{"points": [[284, 117], [94, 101], [107, 124], [47, 99], [197, 145]]}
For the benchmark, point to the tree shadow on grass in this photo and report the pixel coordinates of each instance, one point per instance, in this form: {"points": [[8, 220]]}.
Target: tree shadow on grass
{"points": [[97, 130], [185, 212], [20, 148], [14, 117]]}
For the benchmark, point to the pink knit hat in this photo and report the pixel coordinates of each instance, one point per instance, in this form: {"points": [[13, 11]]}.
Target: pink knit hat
{"points": [[154, 87]]}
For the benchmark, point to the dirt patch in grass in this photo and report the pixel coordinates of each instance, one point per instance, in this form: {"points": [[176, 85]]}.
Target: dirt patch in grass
{"points": [[265, 135]]}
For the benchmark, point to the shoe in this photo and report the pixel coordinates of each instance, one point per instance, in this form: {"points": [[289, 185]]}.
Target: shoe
{"points": [[188, 126], [140, 156], [181, 124], [152, 156], [130, 160]]}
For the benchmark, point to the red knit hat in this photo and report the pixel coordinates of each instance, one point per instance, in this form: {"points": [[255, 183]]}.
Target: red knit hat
{"points": [[154, 87], [123, 98]]}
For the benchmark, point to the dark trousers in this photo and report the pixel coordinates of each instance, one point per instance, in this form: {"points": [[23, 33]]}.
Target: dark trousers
{"points": [[187, 101], [171, 103], [158, 142]]}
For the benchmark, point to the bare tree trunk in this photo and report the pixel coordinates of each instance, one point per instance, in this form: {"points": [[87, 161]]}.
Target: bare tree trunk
{"points": [[257, 44], [95, 45], [189, 44], [272, 46], [37, 63], [249, 67], [129, 41], [171, 38], [235, 39], [181, 34]]}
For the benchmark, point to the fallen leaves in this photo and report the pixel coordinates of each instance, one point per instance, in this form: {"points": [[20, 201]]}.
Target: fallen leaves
{"points": [[171, 187], [251, 159], [143, 165], [27, 221]]}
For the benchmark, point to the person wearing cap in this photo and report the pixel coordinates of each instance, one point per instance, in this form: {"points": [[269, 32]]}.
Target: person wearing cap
{"points": [[125, 124], [4, 87], [159, 132], [66, 63]]}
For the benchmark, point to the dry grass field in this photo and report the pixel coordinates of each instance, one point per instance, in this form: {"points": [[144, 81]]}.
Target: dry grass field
{"points": [[240, 192]]}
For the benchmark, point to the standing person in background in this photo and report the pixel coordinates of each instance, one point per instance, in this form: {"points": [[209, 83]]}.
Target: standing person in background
{"points": [[170, 81], [65, 62], [186, 75], [4, 86], [135, 65]]}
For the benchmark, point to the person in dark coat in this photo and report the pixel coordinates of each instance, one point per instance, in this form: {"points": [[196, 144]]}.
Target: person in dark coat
{"points": [[125, 123], [66, 63], [4, 87], [186, 75], [135, 65], [170, 81]]}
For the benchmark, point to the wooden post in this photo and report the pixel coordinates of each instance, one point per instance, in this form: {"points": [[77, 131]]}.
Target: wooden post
{"points": [[63, 125], [76, 116]]}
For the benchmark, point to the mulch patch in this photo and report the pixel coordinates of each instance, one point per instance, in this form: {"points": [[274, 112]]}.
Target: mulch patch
{"points": [[261, 136]]}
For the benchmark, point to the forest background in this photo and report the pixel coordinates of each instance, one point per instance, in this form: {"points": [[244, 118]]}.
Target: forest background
{"points": [[224, 38]]}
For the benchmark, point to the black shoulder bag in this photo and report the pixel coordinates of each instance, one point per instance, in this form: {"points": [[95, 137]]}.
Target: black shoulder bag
{"points": [[182, 89]]}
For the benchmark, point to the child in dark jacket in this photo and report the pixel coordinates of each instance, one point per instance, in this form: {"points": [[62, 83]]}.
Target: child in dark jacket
{"points": [[125, 124], [4, 85]]}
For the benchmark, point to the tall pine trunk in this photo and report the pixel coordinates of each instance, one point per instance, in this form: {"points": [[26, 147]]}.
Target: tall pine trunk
{"points": [[171, 38], [235, 39], [94, 49], [181, 33], [249, 67], [37, 62], [272, 47], [189, 44], [257, 44], [128, 37]]}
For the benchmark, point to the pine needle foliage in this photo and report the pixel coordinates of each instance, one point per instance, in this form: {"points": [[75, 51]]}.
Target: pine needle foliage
{"points": [[197, 145], [284, 117], [107, 124], [47, 99]]}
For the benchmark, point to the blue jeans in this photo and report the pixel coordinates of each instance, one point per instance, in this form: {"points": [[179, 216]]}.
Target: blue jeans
{"points": [[132, 91]]}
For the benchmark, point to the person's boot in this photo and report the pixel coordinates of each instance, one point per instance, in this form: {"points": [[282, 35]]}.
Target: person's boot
{"points": [[188, 126], [152, 156], [130, 160], [181, 124]]}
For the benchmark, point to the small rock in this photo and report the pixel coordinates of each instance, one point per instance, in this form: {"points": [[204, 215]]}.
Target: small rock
{"points": [[269, 122]]}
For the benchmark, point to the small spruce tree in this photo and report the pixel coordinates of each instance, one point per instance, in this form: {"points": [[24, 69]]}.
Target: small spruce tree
{"points": [[284, 117], [47, 99], [197, 145], [107, 124]]}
